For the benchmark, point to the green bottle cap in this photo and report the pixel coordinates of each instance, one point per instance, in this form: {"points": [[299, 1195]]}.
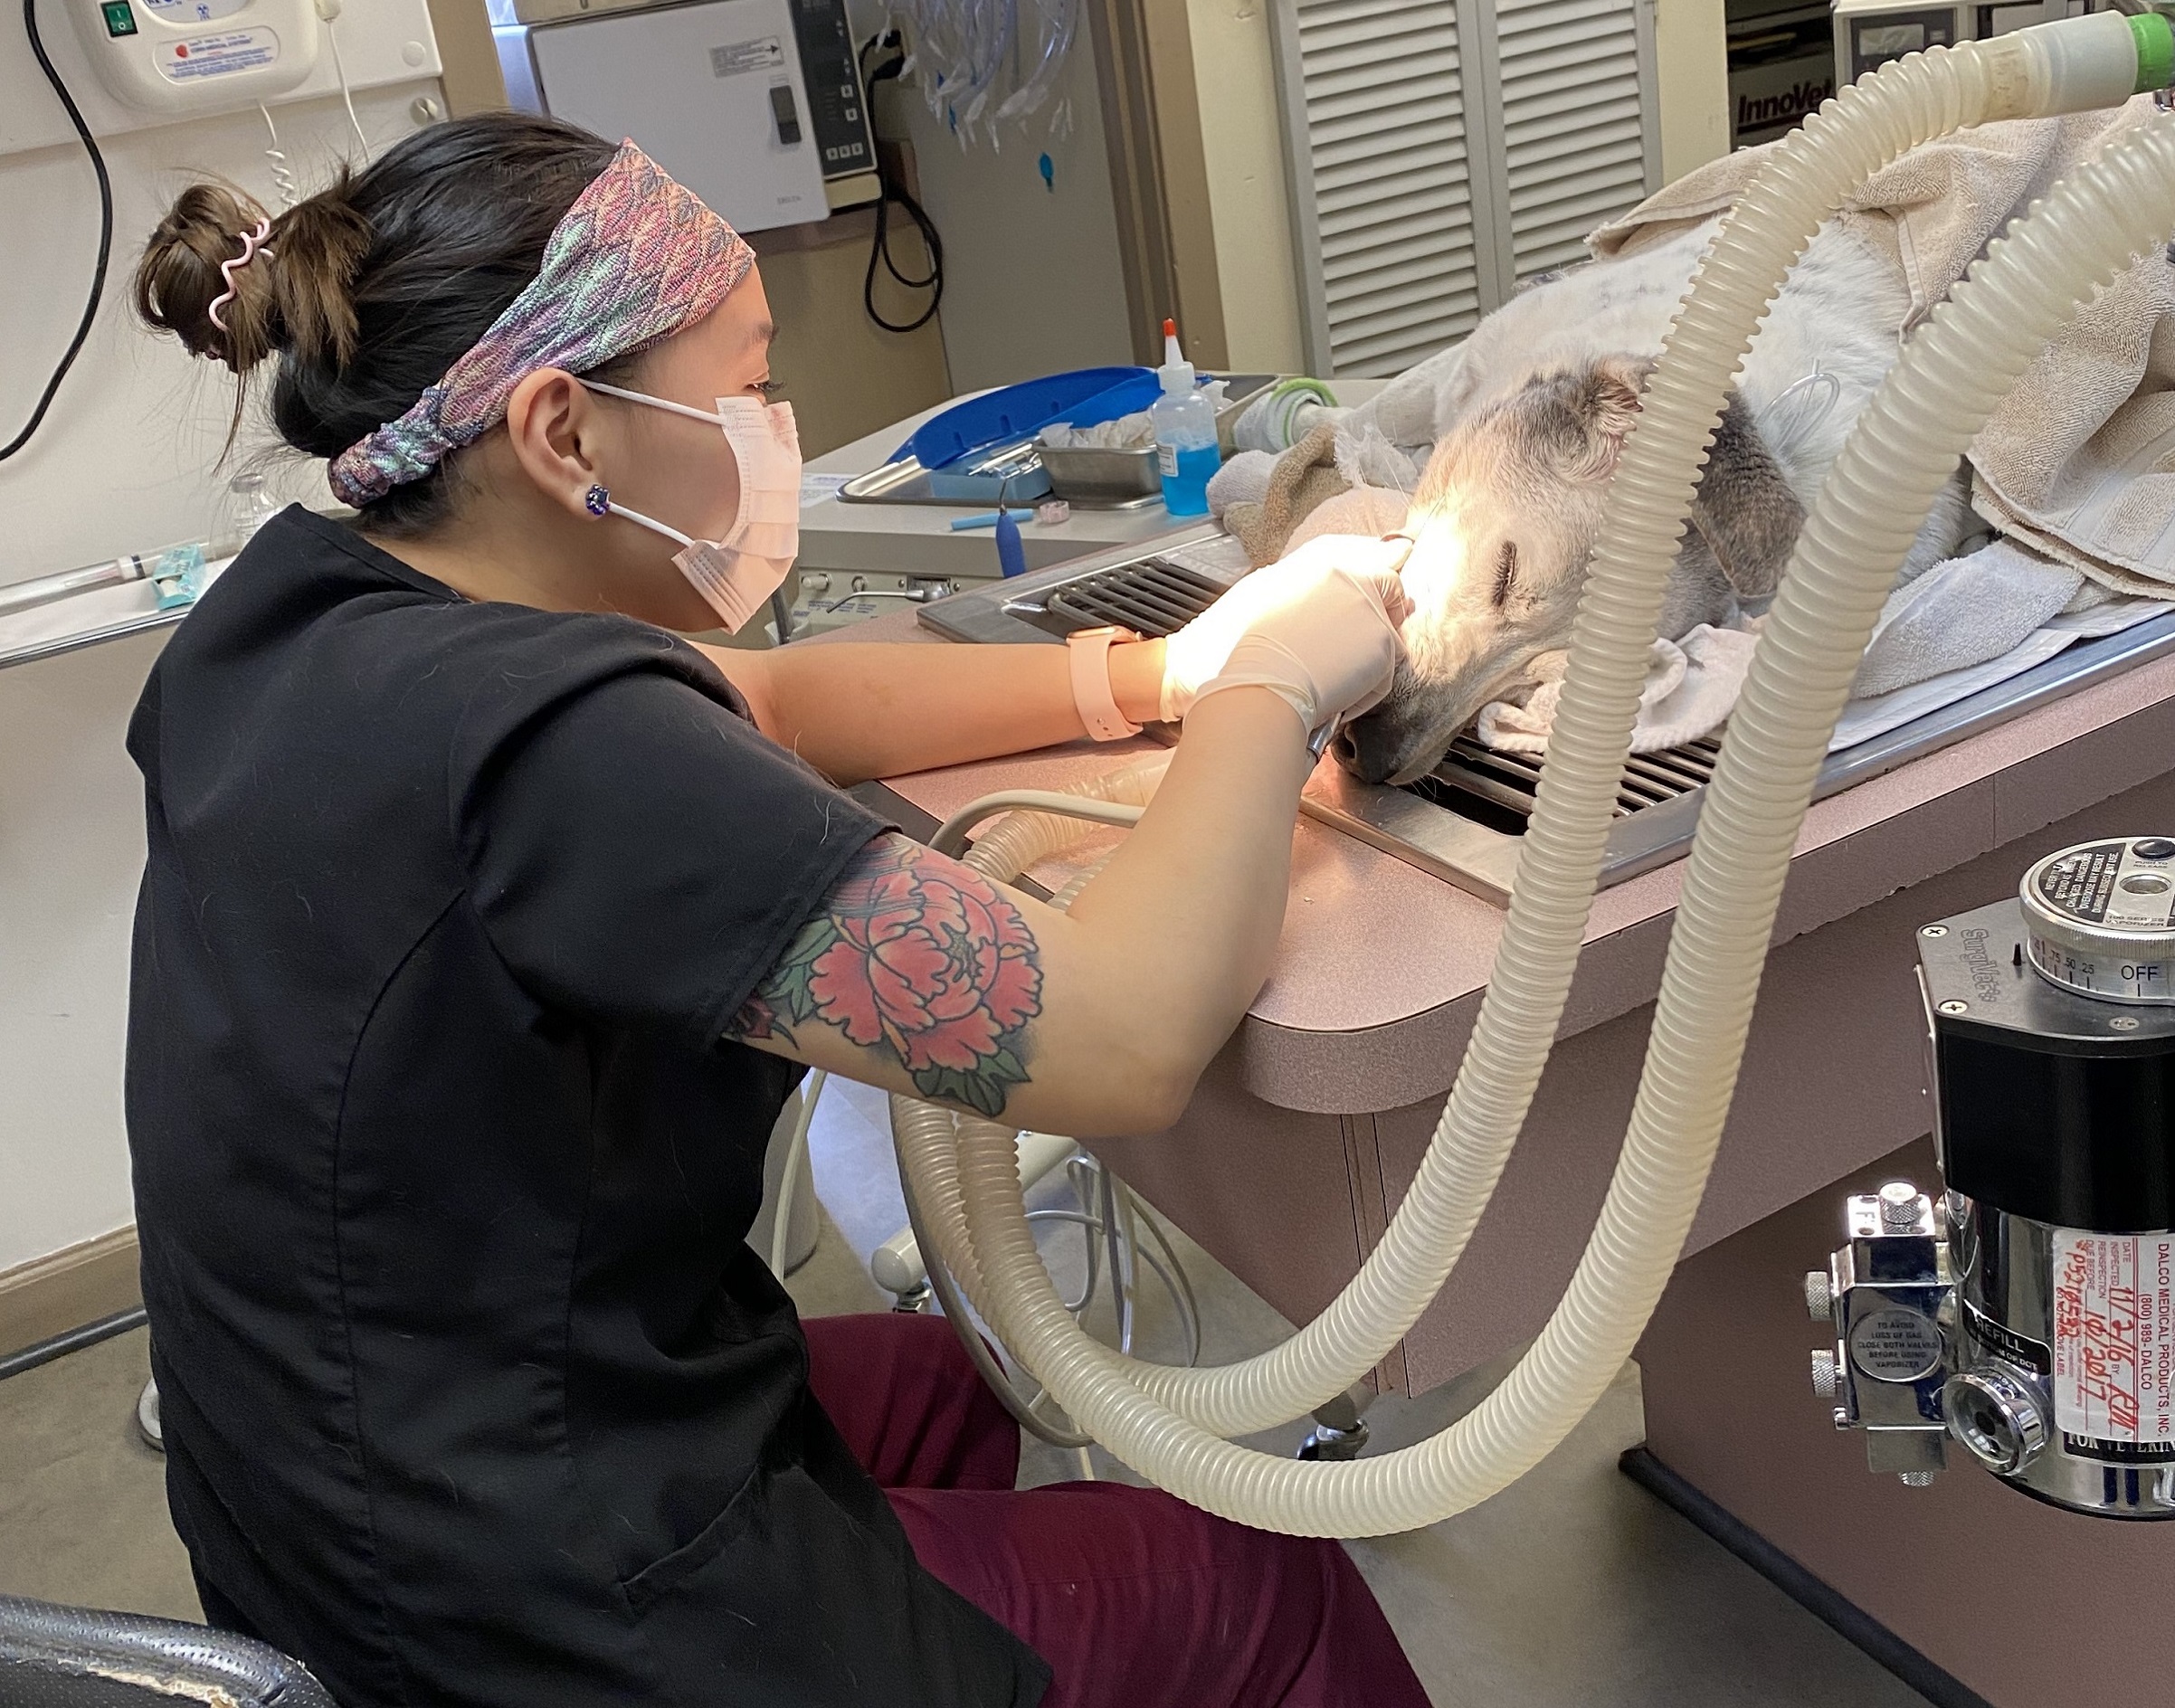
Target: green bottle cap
{"points": [[2155, 42]]}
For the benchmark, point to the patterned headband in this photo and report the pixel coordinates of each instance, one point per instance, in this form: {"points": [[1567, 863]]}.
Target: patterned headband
{"points": [[636, 258]]}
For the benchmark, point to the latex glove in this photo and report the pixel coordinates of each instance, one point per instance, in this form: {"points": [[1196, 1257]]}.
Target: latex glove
{"points": [[1198, 652], [1319, 634]]}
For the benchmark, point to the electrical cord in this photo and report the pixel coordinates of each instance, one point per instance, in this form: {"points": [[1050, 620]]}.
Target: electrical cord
{"points": [[97, 276], [891, 190], [283, 177], [339, 66]]}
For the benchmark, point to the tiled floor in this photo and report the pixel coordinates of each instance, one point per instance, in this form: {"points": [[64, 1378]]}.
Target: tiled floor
{"points": [[1572, 1589]]}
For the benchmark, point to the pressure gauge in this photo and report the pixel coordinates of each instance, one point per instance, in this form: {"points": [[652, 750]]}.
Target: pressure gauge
{"points": [[2100, 918], [182, 57]]}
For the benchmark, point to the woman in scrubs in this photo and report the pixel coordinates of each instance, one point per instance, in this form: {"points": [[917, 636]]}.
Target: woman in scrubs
{"points": [[487, 925]]}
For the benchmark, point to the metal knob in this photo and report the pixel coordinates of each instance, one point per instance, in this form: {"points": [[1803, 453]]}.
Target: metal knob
{"points": [[1823, 1374], [1998, 1412], [1820, 1295], [1899, 1206], [1915, 1480]]}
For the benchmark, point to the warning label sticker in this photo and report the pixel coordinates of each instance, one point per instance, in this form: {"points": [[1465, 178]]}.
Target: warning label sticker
{"points": [[2114, 1344], [2081, 882], [219, 55], [765, 53]]}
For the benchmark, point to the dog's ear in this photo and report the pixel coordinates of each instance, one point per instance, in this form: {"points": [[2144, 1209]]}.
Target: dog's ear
{"points": [[1604, 403], [1744, 509]]}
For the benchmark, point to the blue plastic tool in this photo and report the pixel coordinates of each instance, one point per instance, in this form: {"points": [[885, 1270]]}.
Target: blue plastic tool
{"points": [[1011, 555], [988, 519]]}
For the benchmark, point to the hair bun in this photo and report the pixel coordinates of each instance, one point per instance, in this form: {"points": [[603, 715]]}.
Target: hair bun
{"points": [[321, 243], [182, 275], [293, 294], [369, 291]]}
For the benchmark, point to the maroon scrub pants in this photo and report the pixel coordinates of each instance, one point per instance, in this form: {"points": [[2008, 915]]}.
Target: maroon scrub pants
{"points": [[1134, 1598]]}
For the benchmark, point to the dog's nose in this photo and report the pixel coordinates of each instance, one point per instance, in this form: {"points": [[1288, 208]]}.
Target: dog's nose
{"points": [[1370, 750]]}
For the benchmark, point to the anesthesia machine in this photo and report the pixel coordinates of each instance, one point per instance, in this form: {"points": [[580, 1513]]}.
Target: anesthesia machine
{"points": [[2028, 1311]]}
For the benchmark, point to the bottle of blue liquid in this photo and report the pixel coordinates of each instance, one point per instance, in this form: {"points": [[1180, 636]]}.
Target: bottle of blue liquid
{"points": [[1185, 432]]}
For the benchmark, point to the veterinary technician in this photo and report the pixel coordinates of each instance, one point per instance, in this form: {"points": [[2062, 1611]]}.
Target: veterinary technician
{"points": [[486, 926]]}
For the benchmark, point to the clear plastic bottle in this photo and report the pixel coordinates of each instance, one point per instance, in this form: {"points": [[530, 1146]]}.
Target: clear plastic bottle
{"points": [[247, 508], [1185, 432]]}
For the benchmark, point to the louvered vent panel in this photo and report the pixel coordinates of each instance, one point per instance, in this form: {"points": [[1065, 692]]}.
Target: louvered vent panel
{"points": [[1384, 136], [1574, 123]]}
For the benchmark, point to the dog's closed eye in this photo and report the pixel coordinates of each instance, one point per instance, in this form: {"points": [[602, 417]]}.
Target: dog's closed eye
{"points": [[1506, 572]]}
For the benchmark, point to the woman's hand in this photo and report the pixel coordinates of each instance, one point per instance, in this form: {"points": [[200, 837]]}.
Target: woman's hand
{"points": [[1320, 629], [1315, 626]]}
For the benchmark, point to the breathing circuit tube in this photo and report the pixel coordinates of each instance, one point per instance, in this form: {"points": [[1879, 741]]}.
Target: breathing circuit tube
{"points": [[1035, 827], [1166, 1422]]}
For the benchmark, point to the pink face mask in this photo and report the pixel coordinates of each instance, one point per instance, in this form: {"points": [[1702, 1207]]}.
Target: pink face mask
{"points": [[734, 576]]}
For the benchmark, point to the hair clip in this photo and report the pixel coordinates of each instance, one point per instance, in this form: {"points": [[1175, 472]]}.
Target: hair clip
{"points": [[251, 243], [597, 500]]}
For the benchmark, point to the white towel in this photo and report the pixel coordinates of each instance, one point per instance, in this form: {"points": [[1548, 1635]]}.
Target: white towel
{"points": [[1878, 714], [1964, 625], [1964, 611], [1370, 511], [1692, 684], [1242, 479]]}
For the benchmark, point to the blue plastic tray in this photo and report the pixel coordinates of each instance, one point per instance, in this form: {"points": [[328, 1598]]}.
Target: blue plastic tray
{"points": [[963, 483], [1081, 398]]}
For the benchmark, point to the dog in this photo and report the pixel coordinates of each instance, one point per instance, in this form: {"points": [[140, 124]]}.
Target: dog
{"points": [[1527, 418]]}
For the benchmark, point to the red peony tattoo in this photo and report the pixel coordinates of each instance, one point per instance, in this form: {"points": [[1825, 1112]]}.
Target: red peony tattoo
{"points": [[918, 956]]}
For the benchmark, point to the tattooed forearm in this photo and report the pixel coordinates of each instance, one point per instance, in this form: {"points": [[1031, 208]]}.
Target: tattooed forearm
{"points": [[918, 957]]}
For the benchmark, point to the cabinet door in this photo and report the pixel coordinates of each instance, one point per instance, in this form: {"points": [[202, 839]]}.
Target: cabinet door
{"points": [[1574, 110], [1376, 118], [1441, 151]]}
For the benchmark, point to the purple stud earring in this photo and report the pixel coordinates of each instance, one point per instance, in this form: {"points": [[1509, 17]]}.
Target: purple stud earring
{"points": [[597, 500]]}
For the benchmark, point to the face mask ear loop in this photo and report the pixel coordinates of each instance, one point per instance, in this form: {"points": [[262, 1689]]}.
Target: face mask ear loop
{"points": [[693, 413], [713, 419], [639, 520]]}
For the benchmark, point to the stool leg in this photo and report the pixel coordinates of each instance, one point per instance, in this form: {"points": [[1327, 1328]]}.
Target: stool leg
{"points": [[1340, 1431], [147, 1418]]}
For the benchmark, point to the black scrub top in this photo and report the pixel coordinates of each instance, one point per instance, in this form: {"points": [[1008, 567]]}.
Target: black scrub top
{"points": [[474, 1391]]}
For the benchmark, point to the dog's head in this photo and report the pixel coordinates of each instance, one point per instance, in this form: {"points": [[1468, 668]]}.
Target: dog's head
{"points": [[1506, 518]]}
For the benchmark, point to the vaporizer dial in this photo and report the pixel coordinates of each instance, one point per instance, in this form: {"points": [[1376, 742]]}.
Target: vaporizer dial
{"points": [[2100, 918]]}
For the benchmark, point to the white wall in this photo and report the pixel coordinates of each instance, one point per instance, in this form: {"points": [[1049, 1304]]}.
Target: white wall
{"points": [[1033, 283], [1242, 146], [1691, 53], [71, 852], [124, 461]]}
